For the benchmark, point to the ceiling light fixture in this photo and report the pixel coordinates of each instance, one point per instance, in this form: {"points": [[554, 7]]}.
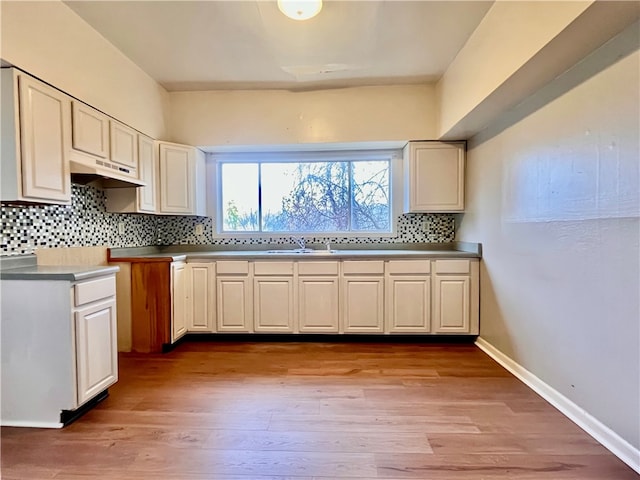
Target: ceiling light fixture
{"points": [[300, 9]]}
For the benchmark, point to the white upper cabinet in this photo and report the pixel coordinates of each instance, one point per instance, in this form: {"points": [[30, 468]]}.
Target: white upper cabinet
{"points": [[124, 145], [147, 161], [174, 177], [182, 180], [434, 177], [36, 140], [90, 130], [140, 199]]}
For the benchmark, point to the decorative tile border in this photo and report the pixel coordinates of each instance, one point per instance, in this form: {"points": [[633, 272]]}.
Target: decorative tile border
{"points": [[86, 223]]}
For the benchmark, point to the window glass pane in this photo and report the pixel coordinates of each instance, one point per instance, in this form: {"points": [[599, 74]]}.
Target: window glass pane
{"points": [[371, 210], [305, 197], [239, 182]]}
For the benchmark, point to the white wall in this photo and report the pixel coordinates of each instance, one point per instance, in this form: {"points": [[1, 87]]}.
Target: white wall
{"points": [[48, 40], [275, 117], [553, 195]]}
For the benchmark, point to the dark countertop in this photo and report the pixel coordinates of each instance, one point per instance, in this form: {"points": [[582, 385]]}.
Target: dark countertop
{"points": [[192, 253], [25, 267]]}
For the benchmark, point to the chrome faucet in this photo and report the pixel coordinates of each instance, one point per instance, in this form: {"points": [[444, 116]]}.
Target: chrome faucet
{"points": [[300, 241]]}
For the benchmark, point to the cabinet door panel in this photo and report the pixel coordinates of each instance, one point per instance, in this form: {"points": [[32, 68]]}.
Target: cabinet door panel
{"points": [[452, 304], [234, 304], [435, 181], [408, 304], [318, 308], [96, 349], [273, 304], [90, 130], [124, 145], [201, 297], [176, 179], [45, 137], [363, 307], [148, 174], [178, 302]]}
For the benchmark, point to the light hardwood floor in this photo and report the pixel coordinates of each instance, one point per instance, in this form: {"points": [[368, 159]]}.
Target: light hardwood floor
{"points": [[311, 411]]}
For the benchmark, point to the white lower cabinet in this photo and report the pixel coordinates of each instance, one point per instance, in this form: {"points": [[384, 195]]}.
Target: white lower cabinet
{"points": [[58, 352], [201, 297], [408, 296], [273, 304], [318, 294], [273, 297], [234, 296], [363, 296], [455, 297], [178, 301], [96, 347]]}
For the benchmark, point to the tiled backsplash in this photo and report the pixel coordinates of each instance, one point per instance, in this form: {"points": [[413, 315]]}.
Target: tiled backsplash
{"points": [[86, 223]]}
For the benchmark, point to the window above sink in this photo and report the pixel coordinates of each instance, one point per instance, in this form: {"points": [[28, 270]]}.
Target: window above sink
{"points": [[329, 193]]}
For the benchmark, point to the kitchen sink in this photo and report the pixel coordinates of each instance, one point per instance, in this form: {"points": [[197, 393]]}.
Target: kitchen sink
{"points": [[301, 251]]}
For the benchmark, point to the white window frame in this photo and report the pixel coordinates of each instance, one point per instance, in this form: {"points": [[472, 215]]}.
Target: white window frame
{"points": [[215, 160]]}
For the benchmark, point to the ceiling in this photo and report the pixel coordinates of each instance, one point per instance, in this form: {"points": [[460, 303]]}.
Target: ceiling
{"points": [[206, 45]]}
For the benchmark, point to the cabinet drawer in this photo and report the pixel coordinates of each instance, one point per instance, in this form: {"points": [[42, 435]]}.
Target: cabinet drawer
{"points": [[453, 266], [273, 268], [92, 290], [232, 267], [359, 267], [318, 268], [395, 267]]}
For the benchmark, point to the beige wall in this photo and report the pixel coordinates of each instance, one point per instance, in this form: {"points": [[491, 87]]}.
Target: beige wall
{"points": [[48, 40], [517, 49], [275, 117], [554, 199]]}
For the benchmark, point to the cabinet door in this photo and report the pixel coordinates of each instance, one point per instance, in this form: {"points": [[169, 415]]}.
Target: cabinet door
{"points": [[318, 309], [96, 348], [408, 304], [90, 130], [451, 304], [124, 145], [45, 139], [177, 172], [363, 304], [435, 177], [148, 174], [234, 304], [273, 304], [178, 301], [201, 297]]}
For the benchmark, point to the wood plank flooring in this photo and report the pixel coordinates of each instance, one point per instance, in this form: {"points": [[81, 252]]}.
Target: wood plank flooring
{"points": [[313, 411]]}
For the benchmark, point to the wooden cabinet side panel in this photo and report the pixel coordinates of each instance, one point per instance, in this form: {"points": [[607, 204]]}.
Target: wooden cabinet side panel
{"points": [[150, 306]]}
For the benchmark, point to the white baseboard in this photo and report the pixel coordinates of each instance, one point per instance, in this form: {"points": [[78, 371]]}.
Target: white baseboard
{"points": [[599, 431], [21, 423]]}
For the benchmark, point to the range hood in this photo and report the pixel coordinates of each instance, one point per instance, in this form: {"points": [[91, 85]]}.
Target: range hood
{"points": [[87, 169]]}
